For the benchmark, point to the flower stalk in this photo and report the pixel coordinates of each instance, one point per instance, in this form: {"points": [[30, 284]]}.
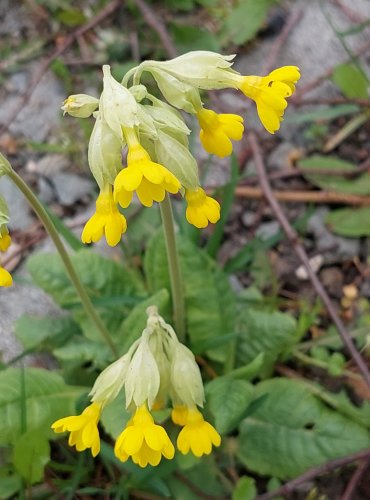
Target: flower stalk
{"points": [[174, 268], [53, 233]]}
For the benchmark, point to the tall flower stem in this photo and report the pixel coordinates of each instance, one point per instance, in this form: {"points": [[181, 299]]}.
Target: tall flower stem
{"points": [[50, 228], [174, 268]]}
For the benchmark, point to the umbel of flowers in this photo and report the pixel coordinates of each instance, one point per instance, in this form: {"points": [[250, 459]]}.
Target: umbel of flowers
{"points": [[156, 370], [152, 135]]}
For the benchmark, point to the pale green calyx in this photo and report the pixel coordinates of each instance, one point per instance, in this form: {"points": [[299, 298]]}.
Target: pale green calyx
{"points": [[178, 159], [4, 216], [202, 69], [80, 105], [5, 167], [178, 93], [143, 377], [110, 381], [117, 105], [104, 153], [186, 380]]}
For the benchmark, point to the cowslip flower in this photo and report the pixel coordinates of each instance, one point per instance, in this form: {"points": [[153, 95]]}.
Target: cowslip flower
{"points": [[143, 440], [217, 130], [107, 220], [80, 105], [5, 241], [197, 434], [201, 208], [150, 180], [6, 279], [270, 93], [84, 433]]}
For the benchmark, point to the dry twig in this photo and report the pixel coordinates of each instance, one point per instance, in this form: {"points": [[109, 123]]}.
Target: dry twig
{"points": [[355, 479], [314, 472], [302, 255]]}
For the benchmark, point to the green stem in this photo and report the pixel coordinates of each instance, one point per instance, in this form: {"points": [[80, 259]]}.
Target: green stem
{"points": [[174, 268], [50, 228]]}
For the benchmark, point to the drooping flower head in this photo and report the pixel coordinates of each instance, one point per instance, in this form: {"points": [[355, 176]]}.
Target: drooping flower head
{"points": [[217, 131], [107, 220], [84, 433], [201, 208], [149, 179], [270, 94]]}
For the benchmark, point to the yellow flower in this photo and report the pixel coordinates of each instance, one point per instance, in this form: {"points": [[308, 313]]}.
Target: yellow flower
{"points": [[217, 130], [201, 208], [107, 220], [150, 180], [197, 436], [83, 428], [143, 440], [270, 93], [5, 241], [5, 278]]}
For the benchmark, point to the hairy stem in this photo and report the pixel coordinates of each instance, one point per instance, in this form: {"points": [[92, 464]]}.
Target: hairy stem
{"points": [[50, 228], [174, 268]]}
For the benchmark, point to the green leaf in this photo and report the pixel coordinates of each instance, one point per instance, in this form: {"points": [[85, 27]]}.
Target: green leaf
{"points": [[189, 38], [133, 325], [270, 333], [245, 489], [101, 277], [351, 81], [359, 185], [292, 430], [351, 222], [209, 300], [71, 17], [322, 114], [72, 240], [9, 485], [47, 398], [228, 399], [83, 351], [35, 331], [184, 5], [244, 21], [115, 416], [31, 453]]}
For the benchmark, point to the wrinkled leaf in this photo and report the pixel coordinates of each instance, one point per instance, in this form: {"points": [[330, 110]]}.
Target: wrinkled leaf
{"points": [[245, 489], [47, 398], [31, 453], [34, 331], [292, 430]]}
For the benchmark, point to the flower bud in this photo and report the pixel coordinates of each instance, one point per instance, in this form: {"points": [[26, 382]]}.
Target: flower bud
{"points": [[143, 378], [186, 380], [110, 381], [4, 214], [80, 105]]}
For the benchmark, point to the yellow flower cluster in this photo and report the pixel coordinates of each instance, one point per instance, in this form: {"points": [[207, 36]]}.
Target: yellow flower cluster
{"points": [[158, 156], [155, 367], [5, 241]]}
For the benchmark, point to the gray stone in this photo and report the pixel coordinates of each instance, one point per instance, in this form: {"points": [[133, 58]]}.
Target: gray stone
{"points": [[41, 115], [267, 229], [14, 302], [279, 158], [248, 219], [71, 187], [46, 192], [19, 212], [334, 248], [49, 164]]}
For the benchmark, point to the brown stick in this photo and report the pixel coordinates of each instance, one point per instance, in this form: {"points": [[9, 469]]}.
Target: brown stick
{"points": [[314, 472], [331, 197], [355, 479], [109, 9], [301, 253], [156, 24]]}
